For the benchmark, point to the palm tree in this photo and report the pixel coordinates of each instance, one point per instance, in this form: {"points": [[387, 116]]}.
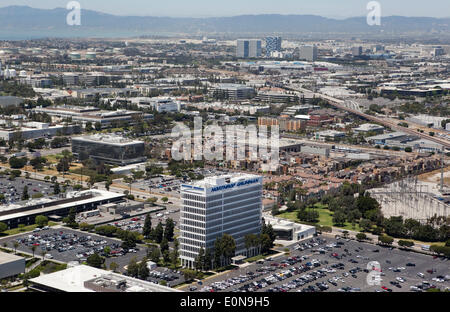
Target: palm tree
{"points": [[43, 254], [16, 244], [33, 249]]}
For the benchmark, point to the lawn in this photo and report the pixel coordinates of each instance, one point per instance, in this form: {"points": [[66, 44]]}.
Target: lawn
{"points": [[325, 218], [28, 228]]}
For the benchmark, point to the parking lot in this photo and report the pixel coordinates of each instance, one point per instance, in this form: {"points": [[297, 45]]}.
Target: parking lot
{"points": [[328, 264], [170, 185], [136, 223], [68, 245], [171, 277], [13, 190]]}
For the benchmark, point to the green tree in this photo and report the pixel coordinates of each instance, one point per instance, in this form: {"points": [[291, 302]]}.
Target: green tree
{"points": [[133, 268], [366, 225], [33, 249], [113, 266], [97, 125], [339, 218], [144, 272], [361, 236], [228, 247], [405, 243], [25, 195], [266, 243], [70, 219], [155, 255], [95, 261], [16, 245], [200, 260], [56, 188], [88, 126], [385, 240], [164, 245], [147, 228], [41, 221], [3, 227], [158, 233], [169, 229], [17, 163]]}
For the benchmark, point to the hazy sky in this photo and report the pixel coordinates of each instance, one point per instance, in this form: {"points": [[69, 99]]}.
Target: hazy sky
{"points": [[208, 8]]}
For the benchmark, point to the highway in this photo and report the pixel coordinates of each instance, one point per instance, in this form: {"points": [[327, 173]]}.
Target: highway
{"points": [[340, 104]]}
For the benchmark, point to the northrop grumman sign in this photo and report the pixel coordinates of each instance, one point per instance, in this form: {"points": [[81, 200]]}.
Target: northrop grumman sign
{"points": [[232, 185]]}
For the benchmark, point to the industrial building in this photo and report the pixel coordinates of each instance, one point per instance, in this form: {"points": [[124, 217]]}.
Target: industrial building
{"points": [[83, 278], [109, 149], [55, 208], [229, 204], [11, 265]]}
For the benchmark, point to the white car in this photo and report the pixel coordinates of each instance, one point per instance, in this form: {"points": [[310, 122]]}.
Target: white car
{"points": [[421, 275]]}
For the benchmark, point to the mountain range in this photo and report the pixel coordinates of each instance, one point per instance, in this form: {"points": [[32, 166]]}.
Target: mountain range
{"points": [[23, 22]]}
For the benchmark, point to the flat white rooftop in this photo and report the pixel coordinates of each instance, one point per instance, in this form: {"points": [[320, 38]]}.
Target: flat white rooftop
{"points": [[224, 179], [6, 257], [98, 196], [108, 139], [73, 279]]}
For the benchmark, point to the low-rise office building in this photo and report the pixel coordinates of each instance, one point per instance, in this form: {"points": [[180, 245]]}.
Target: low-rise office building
{"points": [[84, 114], [109, 149], [290, 231], [25, 212], [83, 278], [11, 265], [233, 91]]}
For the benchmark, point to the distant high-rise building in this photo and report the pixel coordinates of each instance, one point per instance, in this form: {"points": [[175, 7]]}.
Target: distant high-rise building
{"points": [[308, 53], [357, 51], [248, 48], [438, 51], [273, 44], [378, 48]]}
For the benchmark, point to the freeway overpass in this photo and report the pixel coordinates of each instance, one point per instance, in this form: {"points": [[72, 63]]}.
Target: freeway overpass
{"points": [[353, 108]]}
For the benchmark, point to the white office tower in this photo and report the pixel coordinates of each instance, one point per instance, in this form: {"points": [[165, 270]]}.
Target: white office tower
{"points": [[308, 53], [230, 204], [248, 48]]}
